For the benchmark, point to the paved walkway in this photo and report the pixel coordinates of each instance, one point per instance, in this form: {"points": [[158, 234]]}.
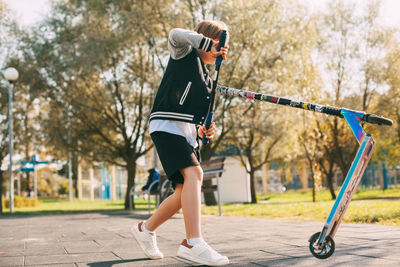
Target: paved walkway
{"points": [[104, 239]]}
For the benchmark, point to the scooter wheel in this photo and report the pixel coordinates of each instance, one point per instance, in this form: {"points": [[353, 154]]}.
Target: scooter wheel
{"points": [[325, 250]]}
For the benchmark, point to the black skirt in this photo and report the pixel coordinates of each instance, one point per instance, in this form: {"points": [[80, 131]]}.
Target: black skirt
{"points": [[175, 154]]}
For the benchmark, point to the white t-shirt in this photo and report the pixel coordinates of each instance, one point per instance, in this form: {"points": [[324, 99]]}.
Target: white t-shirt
{"points": [[185, 129]]}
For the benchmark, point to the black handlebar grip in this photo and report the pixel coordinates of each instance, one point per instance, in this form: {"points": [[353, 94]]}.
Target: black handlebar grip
{"points": [[333, 111], [372, 118], [222, 40]]}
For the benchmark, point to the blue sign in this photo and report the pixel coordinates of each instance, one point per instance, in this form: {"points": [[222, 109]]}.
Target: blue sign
{"points": [[29, 166], [27, 169]]}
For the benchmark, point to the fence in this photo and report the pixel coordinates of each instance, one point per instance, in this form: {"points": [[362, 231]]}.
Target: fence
{"points": [[375, 176]]}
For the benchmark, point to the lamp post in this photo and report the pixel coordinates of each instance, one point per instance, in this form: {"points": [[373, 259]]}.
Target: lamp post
{"points": [[69, 156], [11, 75]]}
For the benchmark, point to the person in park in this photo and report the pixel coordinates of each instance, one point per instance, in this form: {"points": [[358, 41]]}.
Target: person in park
{"points": [[153, 176], [176, 124]]}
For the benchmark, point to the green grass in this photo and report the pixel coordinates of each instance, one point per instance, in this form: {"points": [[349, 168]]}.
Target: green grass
{"points": [[324, 195], [370, 206], [57, 206], [367, 206]]}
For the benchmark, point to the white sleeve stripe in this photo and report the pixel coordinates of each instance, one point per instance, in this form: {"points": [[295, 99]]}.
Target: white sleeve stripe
{"points": [[204, 43], [207, 44]]}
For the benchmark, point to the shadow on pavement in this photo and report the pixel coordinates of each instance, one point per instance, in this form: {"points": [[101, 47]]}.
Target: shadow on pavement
{"points": [[111, 263]]}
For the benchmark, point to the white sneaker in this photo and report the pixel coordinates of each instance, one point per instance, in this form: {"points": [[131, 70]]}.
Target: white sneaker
{"points": [[147, 242], [201, 253]]}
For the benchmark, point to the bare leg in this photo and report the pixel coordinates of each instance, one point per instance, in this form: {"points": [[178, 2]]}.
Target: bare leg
{"points": [[191, 200], [167, 208], [191, 207]]}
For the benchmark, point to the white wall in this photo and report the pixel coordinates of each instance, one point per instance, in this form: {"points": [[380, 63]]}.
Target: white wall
{"points": [[235, 182]]}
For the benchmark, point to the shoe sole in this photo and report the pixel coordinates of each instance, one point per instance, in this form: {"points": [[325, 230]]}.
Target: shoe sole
{"points": [[186, 256], [142, 246]]}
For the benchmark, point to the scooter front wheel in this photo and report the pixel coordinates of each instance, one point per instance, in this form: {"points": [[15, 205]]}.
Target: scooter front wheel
{"points": [[325, 250]]}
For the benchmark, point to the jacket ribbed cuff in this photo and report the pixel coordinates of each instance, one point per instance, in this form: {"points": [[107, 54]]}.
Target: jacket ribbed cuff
{"points": [[206, 44]]}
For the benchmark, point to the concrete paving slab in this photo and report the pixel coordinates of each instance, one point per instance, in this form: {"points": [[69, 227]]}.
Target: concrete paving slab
{"points": [[37, 251], [334, 261], [11, 261]]}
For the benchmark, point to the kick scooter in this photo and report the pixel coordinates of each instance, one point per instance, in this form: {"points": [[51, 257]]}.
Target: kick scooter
{"points": [[322, 245]]}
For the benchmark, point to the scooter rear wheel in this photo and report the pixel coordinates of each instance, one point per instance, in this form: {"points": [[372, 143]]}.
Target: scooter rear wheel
{"points": [[325, 250]]}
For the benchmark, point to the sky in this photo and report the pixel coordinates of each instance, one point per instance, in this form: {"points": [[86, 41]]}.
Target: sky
{"points": [[389, 10], [29, 12]]}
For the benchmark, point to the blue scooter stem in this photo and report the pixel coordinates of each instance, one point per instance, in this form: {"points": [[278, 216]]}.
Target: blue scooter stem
{"points": [[207, 124], [218, 63]]}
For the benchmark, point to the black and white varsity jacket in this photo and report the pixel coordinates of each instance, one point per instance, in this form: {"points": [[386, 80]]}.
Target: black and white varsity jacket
{"points": [[185, 90]]}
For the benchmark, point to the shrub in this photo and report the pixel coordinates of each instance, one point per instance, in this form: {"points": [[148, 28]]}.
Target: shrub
{"points": [[64, 187], [20, 202]]}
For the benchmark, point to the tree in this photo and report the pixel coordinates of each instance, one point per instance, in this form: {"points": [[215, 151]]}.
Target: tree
{"points": [[266, 39], [311, 155], [337, 53], [252, 135], [105, 73], [388, 103], [103, 63], [5, 48], [372, 48], [101, 72]]}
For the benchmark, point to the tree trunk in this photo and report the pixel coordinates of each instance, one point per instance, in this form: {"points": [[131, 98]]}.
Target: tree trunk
{"points": [[28, 186], [252, 187], [1, 191], [75, 163], [313, 182], [310, 163], [131, 168], [329, 174], [209, 197], [329, 179]]}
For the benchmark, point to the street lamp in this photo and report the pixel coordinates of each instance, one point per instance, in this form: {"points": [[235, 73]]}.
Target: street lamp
{"points": [[11, 75], [69, 154]]}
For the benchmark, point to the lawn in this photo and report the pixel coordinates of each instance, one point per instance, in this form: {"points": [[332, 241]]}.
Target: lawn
{"points": [[62, 205], [369, 206]]}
